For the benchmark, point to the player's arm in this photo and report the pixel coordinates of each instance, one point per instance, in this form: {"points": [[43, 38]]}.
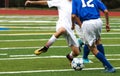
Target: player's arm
{"points": [[107, 20], [74, 16], [75, 19], [103, 8], [42, 2]]}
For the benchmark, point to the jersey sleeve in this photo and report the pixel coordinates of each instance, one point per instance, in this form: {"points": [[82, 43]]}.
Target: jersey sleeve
{"points": [[53, 3], [101, 5], [74, 7]]}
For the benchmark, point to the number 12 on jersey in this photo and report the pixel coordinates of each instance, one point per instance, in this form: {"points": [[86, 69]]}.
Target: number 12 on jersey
{"points": [[87, 4]]}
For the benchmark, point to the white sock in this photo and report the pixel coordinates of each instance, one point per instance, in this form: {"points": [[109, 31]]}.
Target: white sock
{"points": [[51, 41], [71, 54]]}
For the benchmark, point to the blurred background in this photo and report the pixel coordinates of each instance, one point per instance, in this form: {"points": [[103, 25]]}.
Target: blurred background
{"points": [[17, 4], [111, 4]]}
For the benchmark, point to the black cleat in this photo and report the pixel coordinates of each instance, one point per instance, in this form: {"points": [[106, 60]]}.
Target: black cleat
{"points": [[69, 58]]}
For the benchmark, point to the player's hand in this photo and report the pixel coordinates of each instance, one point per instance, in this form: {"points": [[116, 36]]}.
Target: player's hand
{"points": [[107, 28], [27, 2]]}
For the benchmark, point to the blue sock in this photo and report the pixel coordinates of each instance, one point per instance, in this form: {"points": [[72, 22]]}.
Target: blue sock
{"points": [[101, 49], [102, 58], [86, 52]]}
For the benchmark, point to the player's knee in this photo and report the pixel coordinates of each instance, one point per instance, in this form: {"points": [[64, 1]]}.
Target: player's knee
{"points": [[98, 42], [62, 30], [76, 53]]}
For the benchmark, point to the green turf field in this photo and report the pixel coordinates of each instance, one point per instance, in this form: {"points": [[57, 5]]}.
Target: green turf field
{"points": [[21, 35]]}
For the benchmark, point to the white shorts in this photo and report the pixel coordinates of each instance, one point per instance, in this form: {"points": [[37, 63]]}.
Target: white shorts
{"points": [[70, 40], [91, 30], [69, 35]]}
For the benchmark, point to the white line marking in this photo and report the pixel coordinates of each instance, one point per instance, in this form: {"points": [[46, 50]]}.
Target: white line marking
{"points": [[111, 33], [51, 27], [20, 57], [111, 45], [2, 54], [31, 55], [31, 47], [44, 23], [27, 21], [113, 59], [23, 24], [31, 30], [60, 70], [19, 34], [26, 34], [44, 39], [35, 16], [117, 30], [26, 40]]}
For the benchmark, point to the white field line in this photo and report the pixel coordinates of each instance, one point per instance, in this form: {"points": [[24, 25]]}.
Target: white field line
{"points": [[15, 57], [27, 21], [46, 71], [51, 30], [28, 17], [2, 54], [35, 30], [37, 57], [30, 47], [43, 16], [19, 34], [40, 27], [26, 34], [43, 23], [48, 27], [111, 33], [23, 24], [45, 39], [29, 40], [6, 48], [33, 55]]}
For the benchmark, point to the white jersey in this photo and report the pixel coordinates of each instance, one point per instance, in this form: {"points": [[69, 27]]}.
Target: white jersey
{"points": [[64, 10]]}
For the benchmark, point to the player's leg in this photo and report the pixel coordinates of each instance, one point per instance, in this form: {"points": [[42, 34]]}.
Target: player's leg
{"points": [[102, 58], [86, 52], [72, 42], [100, 46], [75, 52], [90, 29], [50, 41]]}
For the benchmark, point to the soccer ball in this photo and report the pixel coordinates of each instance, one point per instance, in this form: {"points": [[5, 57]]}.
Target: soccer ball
{"points": [[77, 64]]}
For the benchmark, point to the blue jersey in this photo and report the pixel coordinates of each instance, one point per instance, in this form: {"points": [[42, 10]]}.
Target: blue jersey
{"points": [[87, 9]]}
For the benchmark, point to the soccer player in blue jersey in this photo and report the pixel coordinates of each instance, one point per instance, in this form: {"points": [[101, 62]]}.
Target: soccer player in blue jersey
{"points": [[88, 12]]}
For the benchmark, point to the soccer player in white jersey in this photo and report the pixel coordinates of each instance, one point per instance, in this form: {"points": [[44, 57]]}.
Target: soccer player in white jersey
{"points": [[88, 12], [63, 26]]}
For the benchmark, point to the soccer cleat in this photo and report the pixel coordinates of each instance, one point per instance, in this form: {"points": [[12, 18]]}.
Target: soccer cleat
{"points": [[69, 58], [87, 61], [80, 42], [112, 70], [41, 50]]}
